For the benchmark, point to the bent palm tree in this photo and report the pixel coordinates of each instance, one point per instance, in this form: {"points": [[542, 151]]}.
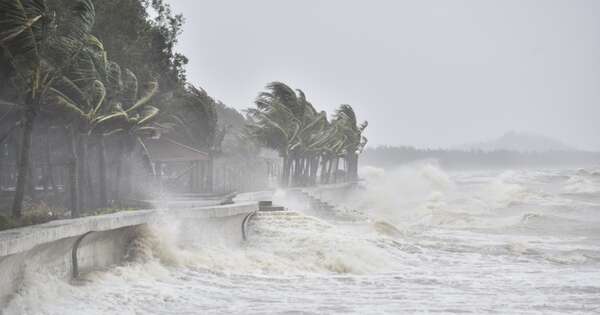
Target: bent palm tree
{"points": [[354, 141], [285, 121], [130, 118], [38, 57], [195, 117], [275, 127]]}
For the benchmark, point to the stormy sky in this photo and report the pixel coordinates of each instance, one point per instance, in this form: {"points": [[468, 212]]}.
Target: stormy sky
{"points": [[431, 73]]}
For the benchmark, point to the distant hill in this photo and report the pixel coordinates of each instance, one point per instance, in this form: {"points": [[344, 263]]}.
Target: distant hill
{"points": [[519, 141]]}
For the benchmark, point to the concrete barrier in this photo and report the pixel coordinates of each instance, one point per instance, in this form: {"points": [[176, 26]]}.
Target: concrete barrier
{"points": [[67, 248]]}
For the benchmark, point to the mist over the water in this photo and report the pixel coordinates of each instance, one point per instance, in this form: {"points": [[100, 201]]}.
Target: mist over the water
{"points": [[522, 241]]}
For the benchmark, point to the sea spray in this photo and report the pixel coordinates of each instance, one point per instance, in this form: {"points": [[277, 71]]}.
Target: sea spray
{"points": [[463, 237]]}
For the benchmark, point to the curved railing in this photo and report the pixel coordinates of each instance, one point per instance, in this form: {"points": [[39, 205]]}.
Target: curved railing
{"points": [[247, 219]]}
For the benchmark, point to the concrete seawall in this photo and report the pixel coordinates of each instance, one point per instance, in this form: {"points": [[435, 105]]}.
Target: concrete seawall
{"points": [[66, 248]]}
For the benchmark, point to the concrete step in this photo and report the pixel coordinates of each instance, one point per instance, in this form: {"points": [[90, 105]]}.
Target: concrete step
{"points": [[272, 208]]}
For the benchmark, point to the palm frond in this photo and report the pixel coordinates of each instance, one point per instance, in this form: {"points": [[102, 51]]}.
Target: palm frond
{"points": [[98, 95], [149, 113], [82, 18], [21, 28], [130, 88], [148, 94]]}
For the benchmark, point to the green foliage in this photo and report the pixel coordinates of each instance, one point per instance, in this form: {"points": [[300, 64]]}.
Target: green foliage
{"points": [[194, 118], [136, 40], [284, 120]]}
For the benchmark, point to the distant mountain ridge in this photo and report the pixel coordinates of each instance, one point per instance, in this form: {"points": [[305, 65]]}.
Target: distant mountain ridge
{"points": [[519, 141]]}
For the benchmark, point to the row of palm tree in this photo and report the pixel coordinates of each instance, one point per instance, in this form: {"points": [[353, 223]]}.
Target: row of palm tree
{"points": [[310, 145], [57, 81], [61, 78]]}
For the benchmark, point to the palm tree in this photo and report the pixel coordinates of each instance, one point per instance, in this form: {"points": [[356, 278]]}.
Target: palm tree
{"points": [[79, 109], [285, 121], [196, 119], [129, 118], [38, 57], [274, 124], [354, 141]]}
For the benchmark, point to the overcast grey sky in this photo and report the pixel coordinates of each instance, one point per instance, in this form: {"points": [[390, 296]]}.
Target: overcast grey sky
{"points": [[432, 73]]}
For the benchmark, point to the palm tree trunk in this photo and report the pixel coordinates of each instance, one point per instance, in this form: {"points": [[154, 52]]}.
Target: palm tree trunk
{"points": [[285, 172], [210, 173], [49, 177], [103, 196], [336, 165], [299, 167], [314, 170], [329, 170], [89, 185], [128, 186], [73, 176], [31, 182], [2, 156], [323, 170], [305, 171], [295, 172], [299, 171], [23, 163], [353, 166], [82, 171], [119, 174]]}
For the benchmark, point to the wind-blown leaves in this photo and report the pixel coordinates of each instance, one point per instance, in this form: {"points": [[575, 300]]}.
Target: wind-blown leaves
{"points": [[130, 88], [196, 118], [82, 18], [113, 77], [149, 113], [21, 27], [148, 94], [286, 121], [345, 118], [63, 104], [98, 94]]}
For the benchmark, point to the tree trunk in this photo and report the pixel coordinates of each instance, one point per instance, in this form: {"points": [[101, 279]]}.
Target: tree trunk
{"points": [[73, 176], [2, 157], [102, 196], [314, 170], [323, 170], [49, 177], [32, 182], [353, 167], [128, 191], [336, 165], [294, 172], [305, 171], [23, 163], [285, 172], [84, 198], [210, 173], [119, 174], [329, 170], [89, 185], [298, 172]]}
